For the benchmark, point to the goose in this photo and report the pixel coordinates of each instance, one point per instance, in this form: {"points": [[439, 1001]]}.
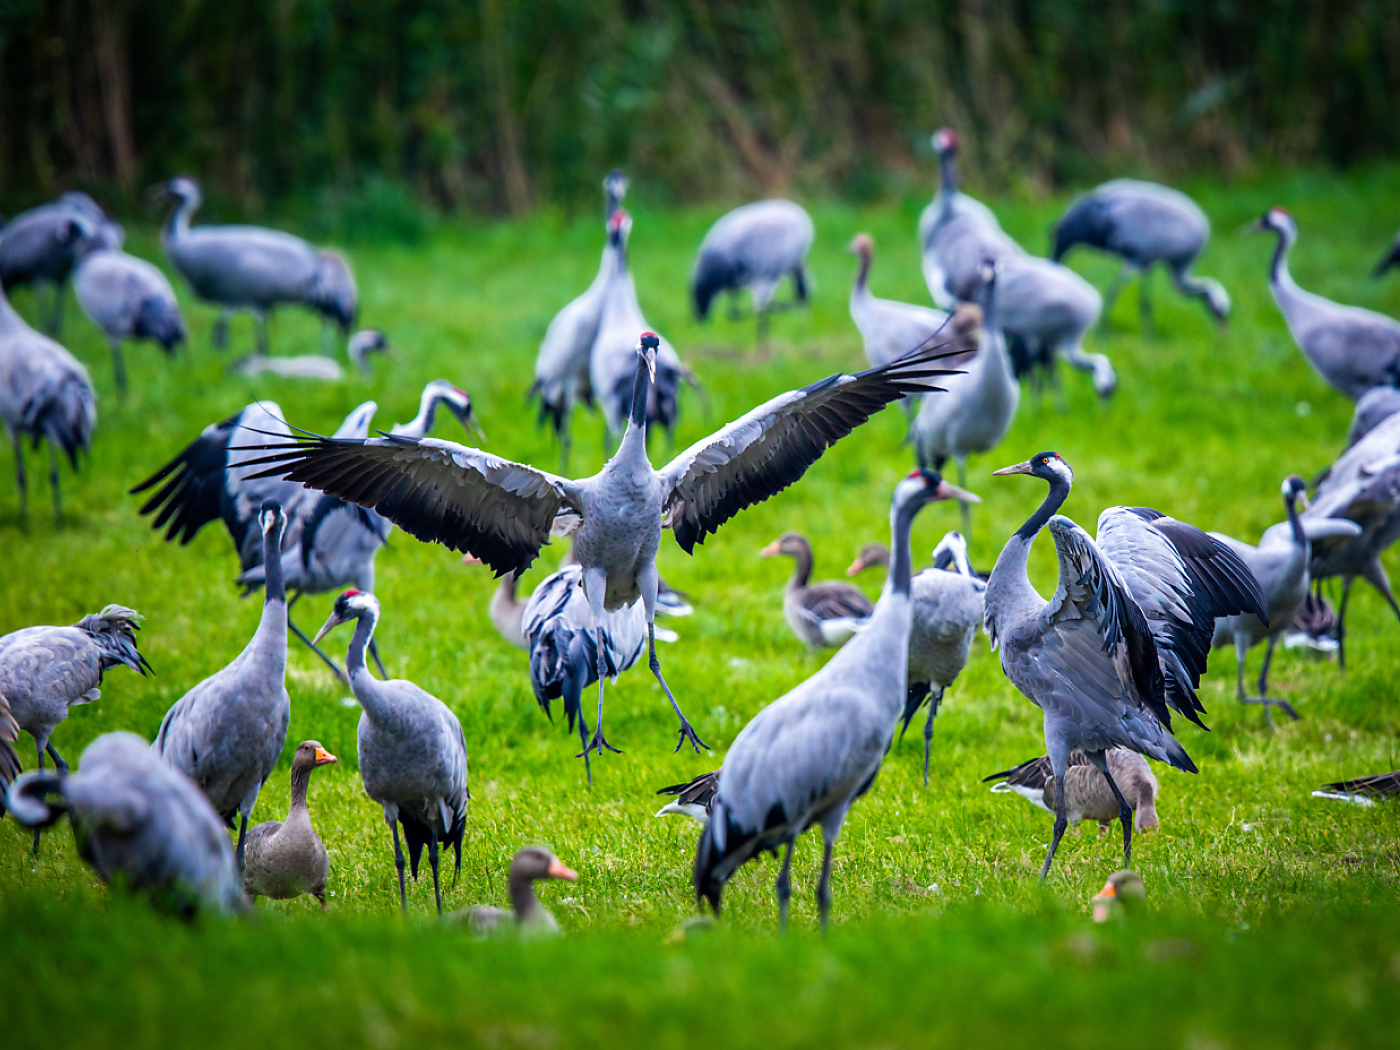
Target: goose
{"points": [[527, 915], [1143, 223], [1087, 795], [1350, 348], [254, 269], [45, 395], [503, 512], [139, 823], [976, 412], [1280, 564], [693, 799], [413, 753], [562, 367], [948, 606], [753, 248], [127, 298], [805, 758], [227, 733], [1364, 791], [820, 614], [1123, 640], [285, 858], [1121, 894]]}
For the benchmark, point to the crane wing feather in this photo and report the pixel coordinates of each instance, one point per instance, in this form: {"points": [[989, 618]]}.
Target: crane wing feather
{"points": [[765, 451]]}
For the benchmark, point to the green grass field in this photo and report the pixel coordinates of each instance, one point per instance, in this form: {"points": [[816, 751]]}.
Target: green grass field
{"points": [[1271, 918]]}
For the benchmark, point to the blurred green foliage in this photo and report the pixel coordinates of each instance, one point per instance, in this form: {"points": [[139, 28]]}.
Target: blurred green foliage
{"points": [[335, 107]]}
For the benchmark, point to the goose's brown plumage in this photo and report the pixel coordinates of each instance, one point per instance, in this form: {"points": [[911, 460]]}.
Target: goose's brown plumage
{"points": [[286, 858]]}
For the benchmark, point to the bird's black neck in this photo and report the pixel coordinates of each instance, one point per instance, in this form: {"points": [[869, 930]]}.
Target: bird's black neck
{"points": [[364, 631], [948, 176], [641, 391], [901, 562], [275, 589], [1278, 266], [1059, 492], [1299, 536]]}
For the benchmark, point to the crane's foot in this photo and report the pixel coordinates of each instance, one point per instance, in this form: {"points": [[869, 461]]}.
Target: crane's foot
{"points": [[598, 742], [687, 733], [1269, 702]]}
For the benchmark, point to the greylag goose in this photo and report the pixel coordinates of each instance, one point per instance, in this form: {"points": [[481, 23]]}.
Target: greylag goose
{"points": [[286, 858], [1087, 796], [527, 915], [820, 614]]}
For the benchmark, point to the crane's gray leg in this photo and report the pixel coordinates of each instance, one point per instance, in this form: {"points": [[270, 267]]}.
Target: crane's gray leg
{"points": [[573, 693], [1263, 697], [934, 701], [326, 347], [648, 580], [55, 325], [1125, 811], [1145, 300], [783, 887], [595, 585], [58, 762], [1111, 293], [260, 321], [764, 323], [23, 483], [53, 483], [39, 749], [400, 864], [1374, 574], [831, 827], [1241, 654], [1347, 581], [1059, 762], [433, 860], [119, 365], [242, 838], [218, 335]]}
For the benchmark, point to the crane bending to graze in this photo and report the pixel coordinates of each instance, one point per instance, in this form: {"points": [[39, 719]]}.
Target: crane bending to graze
{"points": [[754, 247], [1362, 486], [45, 395], [563, 644], [805, 758], [413, 754], [1123, 641], [1280, 564], [1351, 348], [503, 512], [1143, 223], [339, 541], [227, 732], [562, 367], [255, 269], [612, 361], [127, 298], [138, 822], [40, 246]]}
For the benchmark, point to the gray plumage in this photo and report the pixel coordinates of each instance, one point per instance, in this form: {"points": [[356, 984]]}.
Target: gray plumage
{"points": [[805, 758], [45, 395], [1280, 564], [46, 670], [1087, 794], [1362, 486], [136, 820], [1143, 223], [9, 758], [612, 362], [562, 366], [889, 328], [947, 610], [253, 268], [413, 754], [1045, 309], [1351, 348], [227, 732], [1124, 639], [693, 799], [127, 298], [527, 916], [503, 512], [286, 858], [820, 614], [1372, 409], [40, 246], [979, 405], [561, 638], [754, 248]]}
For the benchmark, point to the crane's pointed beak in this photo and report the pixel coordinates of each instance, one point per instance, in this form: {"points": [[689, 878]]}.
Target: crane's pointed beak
{"points": [[556, 870], [1257, 226], [1019, 468], [324, 757], [651, 363], [946, 491], [471, 424], [331, 621]]}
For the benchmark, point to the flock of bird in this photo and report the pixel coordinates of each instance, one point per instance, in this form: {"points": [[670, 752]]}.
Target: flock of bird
{"points": [[1110, 658]]}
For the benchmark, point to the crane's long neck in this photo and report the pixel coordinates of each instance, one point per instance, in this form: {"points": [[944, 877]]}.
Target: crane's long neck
{"points": [[862, 289], [179, 223], [272, 630], [355, 658], [10, 321], [948, 176], [1300, 538], [901, 563], [421, 424], [1009, 587], [1279, 276], [634, 440]]}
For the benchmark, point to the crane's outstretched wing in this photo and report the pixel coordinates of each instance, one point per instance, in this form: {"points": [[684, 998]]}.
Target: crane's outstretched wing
{"points": [[192, 497], [499, 511], [1092, 599], [1182, 579], [765, 451]]}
